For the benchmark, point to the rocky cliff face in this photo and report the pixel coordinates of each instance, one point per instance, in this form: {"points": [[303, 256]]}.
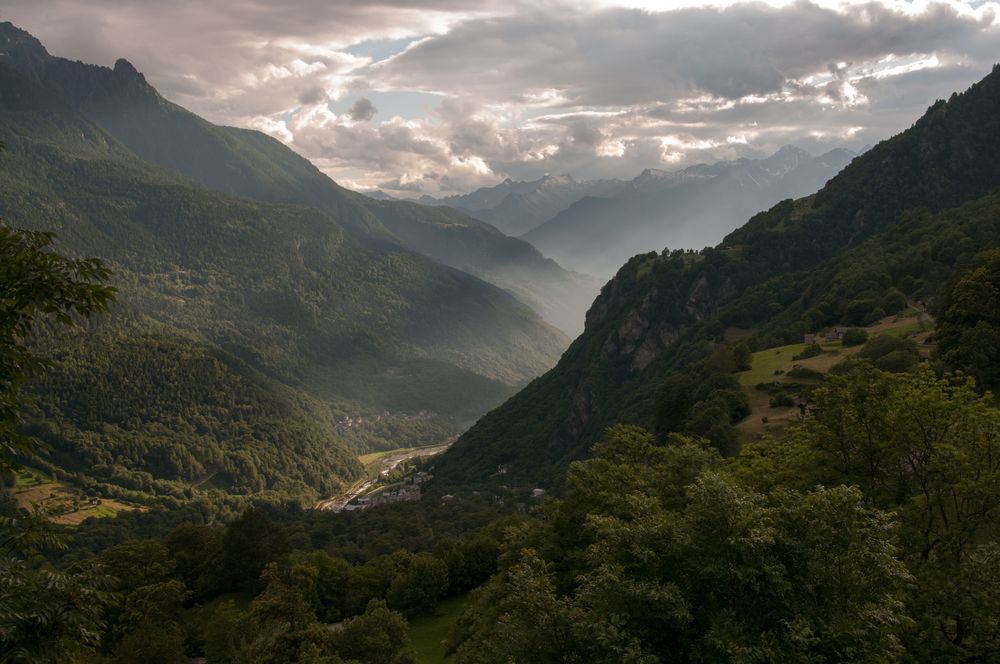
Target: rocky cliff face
{"points": [[639, 334], [20, 49], [639, 338]]}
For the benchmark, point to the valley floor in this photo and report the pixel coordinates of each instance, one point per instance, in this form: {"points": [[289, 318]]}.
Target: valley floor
{"points": [[378, 466]]}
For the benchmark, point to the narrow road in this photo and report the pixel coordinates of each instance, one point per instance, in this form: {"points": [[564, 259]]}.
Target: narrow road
{"points": [[390, 462]]}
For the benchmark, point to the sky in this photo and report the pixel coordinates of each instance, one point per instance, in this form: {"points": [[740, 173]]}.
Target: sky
{"points": [[443, 97]]}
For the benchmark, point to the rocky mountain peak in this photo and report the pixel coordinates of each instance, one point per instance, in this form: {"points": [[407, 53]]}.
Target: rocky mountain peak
{"points": [[550, 181], [126, 71], [123, 66], [790, 151], [20, 48]]}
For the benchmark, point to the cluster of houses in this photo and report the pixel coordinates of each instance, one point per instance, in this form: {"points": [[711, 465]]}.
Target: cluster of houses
{"points": [[836, 334], [410, 490], [407, 491], [394, 494]]}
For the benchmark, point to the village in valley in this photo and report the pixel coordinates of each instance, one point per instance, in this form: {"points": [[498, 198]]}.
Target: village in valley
{"points": [[402, 476], [390, 478], [400, 492]]}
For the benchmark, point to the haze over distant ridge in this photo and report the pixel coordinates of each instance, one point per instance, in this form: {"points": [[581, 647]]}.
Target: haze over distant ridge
{"points": [[595, 226]]}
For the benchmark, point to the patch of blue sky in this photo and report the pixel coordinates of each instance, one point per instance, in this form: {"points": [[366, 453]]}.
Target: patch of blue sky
{"points": [[407, 104], [380, 49]]}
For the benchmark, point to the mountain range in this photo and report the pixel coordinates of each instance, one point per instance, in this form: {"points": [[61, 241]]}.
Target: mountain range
{"points": [[238, 263], [519, 207], [595, 226]]}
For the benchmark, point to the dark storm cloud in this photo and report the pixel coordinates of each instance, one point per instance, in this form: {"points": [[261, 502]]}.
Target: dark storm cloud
{"points": [[362, 110], [313, 95]]}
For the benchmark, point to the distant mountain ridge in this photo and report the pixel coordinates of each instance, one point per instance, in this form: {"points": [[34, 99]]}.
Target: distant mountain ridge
{"points": [[518, 207], [380, 195], [594, 226], [689, 209]]}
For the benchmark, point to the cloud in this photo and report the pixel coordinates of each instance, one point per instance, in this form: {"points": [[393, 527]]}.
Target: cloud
{"points": [[594, 89], [362, 110], [313, 95], [233, 59], [622, 57]]}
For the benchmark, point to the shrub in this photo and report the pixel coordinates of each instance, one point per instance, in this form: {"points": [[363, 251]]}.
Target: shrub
{"points": [[855, 337], [812, 350], [893, 302], [742, 357], [890, 353], [805, 372], [782, 400]]}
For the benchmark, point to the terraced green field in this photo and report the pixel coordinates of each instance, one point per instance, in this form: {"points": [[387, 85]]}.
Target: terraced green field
{"points": [[766, 362]]}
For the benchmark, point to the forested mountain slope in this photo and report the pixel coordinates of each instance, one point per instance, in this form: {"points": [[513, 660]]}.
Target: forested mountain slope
{"points": [[839, 256], [318, 318], [453, 238], [250, 164]]}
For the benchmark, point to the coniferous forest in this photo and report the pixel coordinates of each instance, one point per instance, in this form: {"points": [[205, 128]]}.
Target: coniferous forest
{"points": [[222, 375]]}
